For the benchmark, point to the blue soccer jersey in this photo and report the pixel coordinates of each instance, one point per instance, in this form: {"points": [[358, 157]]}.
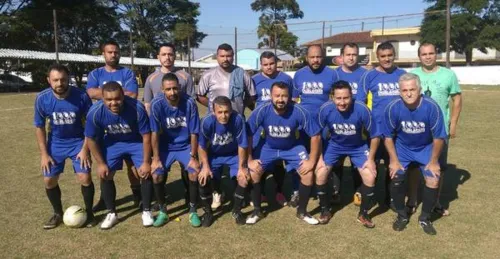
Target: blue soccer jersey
{"points": [[175, 124], [223, 139], [263, 85], [127, 126], [414, 129], [384, 88], [346, 128], [65, 116], [353, 78], [314, 88], [123, 76], [280, 129]]}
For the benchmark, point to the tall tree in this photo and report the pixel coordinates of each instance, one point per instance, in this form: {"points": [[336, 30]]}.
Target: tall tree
{"points": [[272, 23], [475, 25]]}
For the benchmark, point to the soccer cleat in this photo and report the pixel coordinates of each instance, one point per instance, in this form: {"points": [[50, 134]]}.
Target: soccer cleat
{"points": [[325, 216], [147, 218], [99, 206], [110, 220], [280, 199], [238, 217], [400, 223], [194, 219], [216, 200], [294, 200], [307, 218], [91, 221], [161, 219], [256, 216], [357, 199], [53, 222], [427, 227], [366, 221], [207, 219]]}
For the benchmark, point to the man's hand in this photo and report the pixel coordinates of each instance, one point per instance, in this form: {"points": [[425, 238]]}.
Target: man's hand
{"points": [[144, 171], [204, 174], [194, 164], [255, 166], [394, 167], [45, 163], [84, 158], [156, 164], [103, 171], [371, 166], [243, 175], [453, 130], [435, 168], [306, 166]]}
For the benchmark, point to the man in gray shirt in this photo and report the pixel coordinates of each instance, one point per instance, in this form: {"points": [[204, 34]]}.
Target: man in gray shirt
{"points": [[216, 82], [166, 56]]}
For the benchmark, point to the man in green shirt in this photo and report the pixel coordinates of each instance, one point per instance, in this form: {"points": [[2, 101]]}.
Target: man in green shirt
{"points": [[441, 84]]}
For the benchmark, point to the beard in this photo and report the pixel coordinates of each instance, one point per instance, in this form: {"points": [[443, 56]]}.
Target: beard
{"points": [[62, 91], [278, 108], [316, 70], [173, 97]]}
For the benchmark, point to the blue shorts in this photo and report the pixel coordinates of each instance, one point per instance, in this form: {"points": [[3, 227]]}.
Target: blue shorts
{"points": [[420, 157], [217, 163], [59, 152], [358, 155], [168, 158], [292, 157], [117, 152]]}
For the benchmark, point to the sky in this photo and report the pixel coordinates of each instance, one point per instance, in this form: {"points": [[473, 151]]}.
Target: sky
{"points": [[218, 19]]}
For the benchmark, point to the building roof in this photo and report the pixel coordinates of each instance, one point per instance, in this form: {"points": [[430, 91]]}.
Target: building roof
{"points": [[281, 54], [341, 38], [84, 58], [396, 31]]}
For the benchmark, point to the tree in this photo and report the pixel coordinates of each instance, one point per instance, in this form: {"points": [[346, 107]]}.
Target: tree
{"points": [[272, 23], [475, 25]]}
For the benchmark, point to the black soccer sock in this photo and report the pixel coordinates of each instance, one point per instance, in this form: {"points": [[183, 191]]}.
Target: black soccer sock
{"points": [[367, 194], [160, 194], [324, 200], [304, 193], [388, 188], [206, 195], [185, 178], [428, 201], [108, 190], [136, 192], [262, 183], [336, 182], [193, 195], [147, 193], [239, 196], [398, 193], [216, 185], [88, 197], [356, 178], [256, 198], [54, 196], [279, 177]]}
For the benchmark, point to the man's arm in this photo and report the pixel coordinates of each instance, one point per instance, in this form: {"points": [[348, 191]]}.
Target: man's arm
{"points": [[95, 93], [130, 94], [250, 102], [455, 113], [315, 147], [203, 100], [95, 150]]}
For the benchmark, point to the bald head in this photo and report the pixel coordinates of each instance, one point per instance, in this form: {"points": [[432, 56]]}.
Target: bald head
{"points": [[314, 56]]}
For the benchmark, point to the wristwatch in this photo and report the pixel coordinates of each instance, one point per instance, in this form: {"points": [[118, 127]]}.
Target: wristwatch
{"points": [[195, 156]]}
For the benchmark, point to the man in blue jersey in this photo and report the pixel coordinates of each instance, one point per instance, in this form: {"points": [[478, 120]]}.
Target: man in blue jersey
{"points": [[381, 84], [414, 133], [175, 125], [112, 71], [280, 118], [263, 81], [347, 120], [351, 72], [223, 142], [65, 107], [117, 128]]}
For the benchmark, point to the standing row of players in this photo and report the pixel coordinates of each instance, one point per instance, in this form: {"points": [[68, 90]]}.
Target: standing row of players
{"points": [[118, 128]]}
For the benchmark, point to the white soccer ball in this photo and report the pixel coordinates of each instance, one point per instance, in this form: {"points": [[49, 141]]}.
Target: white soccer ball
{"points": [[75, 216]]}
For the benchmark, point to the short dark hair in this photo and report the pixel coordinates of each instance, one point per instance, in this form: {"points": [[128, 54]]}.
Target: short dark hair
{"points": [[385, 46], [168, 45], [225, 46], [341, 84], [267, 54], [112, 86], [280, 85], [109, 42], [350, 45], [170, 77], [59, 68], [315, 46], [423, 44], [222, 101]]}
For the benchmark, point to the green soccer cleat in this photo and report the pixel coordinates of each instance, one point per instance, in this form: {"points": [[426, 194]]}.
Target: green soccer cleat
{"points": [[194, 219], [161, 219]]}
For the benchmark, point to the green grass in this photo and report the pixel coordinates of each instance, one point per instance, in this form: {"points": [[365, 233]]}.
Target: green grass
{"points": [[473, 229]]}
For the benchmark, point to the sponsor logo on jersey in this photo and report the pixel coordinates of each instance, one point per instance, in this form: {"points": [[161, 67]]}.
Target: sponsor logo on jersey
{"points": [[175, 122], [413, 127], [279, 131], [344, 129], [120, 128], [303, 155], [312, 87], [223, 139], [63, 118], [388, 89], [265, 94], [354, 87]]}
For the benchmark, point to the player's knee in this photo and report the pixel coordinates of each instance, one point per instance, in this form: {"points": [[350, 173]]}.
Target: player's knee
{"points": [[432, 182], [50, 182], [307, 179], [84, 179], [398, 180], [158, 178], [242, 182], [321, 175], [193, 176]]}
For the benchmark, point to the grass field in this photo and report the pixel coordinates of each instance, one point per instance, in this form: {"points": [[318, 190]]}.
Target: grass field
{"points": [[471, 190]]}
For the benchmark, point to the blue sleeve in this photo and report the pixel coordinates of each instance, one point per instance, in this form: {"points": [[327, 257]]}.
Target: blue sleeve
{"points": [[253, 122], [194, 119], [155, 120], [362, 93], [92, 81], [437, 122], [390, 121], [39, 117], [369, 123], [92, 129], [142, 119], [293, 91], [130, 84], [309, 125], [322, 116], [296, 91], [205, 132], [241, 132], [87, 103]]}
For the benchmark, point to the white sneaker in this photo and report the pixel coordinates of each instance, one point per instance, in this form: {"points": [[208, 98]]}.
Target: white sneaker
{"points": [[217, 200], [308, 218], [110, 220], [256, 216], [147, 219]]}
